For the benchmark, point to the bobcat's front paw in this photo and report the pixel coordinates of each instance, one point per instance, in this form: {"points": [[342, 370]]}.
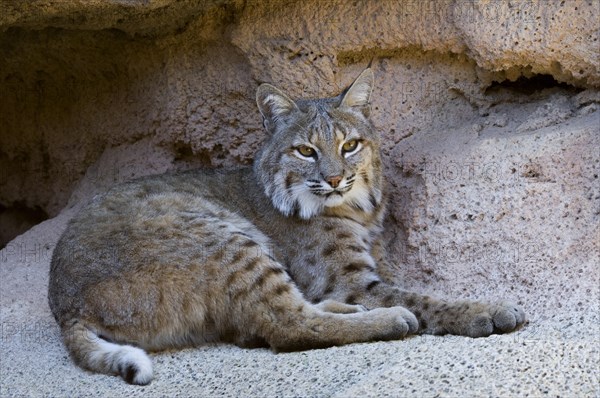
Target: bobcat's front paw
{"points": [[405, 322], [481, 320]]}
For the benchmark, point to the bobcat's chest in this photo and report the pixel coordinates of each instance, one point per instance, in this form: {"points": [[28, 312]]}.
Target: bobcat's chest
{"points": [[316, 252]]}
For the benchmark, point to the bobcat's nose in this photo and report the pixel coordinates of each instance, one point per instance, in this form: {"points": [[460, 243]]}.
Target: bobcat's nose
{"points": [[334, 181]]}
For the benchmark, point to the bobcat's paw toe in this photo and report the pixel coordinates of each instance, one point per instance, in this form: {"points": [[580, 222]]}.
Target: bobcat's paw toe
{"points": [[407, 318], [413, 323], [398, 322], [507, 317], [499, 318]]}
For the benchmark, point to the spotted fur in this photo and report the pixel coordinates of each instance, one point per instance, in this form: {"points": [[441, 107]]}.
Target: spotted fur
{"points": [[284, 255]]}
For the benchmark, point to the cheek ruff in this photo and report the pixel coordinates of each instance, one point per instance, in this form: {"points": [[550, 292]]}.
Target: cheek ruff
{"points": [[308, 199]]}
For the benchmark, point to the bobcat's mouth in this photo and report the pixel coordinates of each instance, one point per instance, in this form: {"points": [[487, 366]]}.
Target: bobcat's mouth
{"points": [[324, 190], [333, 197], [331, 194]]}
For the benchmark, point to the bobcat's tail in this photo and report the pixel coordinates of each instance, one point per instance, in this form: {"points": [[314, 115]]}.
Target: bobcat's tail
{"points": [[94, 353]]}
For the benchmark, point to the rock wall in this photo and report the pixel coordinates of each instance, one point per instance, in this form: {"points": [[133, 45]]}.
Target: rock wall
{"points": [[488, 110]]}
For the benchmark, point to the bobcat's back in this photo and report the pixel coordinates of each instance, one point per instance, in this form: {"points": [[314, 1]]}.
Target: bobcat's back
{"points": [[145, 244], [283, 255]]}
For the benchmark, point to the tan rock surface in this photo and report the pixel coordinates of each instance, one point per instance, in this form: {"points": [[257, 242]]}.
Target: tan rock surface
{"points": [[490, 117]]}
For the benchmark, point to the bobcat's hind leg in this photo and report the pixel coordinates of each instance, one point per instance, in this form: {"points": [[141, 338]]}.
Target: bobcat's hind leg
{"points": [[265, 304], [340, 308], [313, 328]]}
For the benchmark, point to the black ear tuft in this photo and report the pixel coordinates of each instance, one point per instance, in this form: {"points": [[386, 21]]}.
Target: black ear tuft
{"points": [[358, 95]]}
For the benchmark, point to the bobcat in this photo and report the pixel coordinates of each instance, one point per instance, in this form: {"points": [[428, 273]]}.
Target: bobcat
{"points": [[284, 254]]}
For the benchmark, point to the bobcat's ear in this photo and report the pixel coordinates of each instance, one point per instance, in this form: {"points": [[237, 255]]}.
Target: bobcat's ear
{"points": [[358, 95], [273, 105]]}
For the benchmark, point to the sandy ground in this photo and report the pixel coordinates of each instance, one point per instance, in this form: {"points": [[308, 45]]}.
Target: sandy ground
{"points": [[556, 354]]}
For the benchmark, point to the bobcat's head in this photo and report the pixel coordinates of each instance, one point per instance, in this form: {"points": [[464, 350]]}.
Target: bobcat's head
{"points": [[321, 153]]}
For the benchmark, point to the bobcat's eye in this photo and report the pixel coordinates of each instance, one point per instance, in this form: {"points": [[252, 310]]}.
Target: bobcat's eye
{"points": [[306, 151], [349, 147]]}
